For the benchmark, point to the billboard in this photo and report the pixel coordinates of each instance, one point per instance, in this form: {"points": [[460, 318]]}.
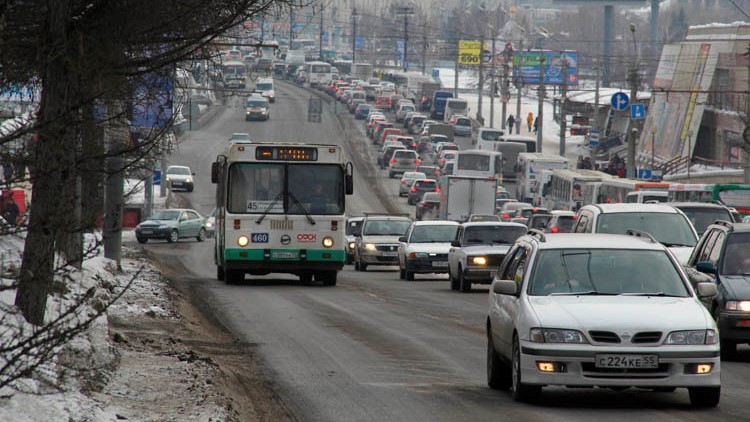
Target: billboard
{"points": [[527, 65], [470, 52]]}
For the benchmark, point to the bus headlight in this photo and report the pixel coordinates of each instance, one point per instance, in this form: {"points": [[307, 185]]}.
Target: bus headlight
{"points": [[243, 240], [328, 242]]}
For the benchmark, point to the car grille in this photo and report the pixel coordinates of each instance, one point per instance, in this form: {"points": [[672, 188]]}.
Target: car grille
{"points": [[386, 248], [149, 226], [495, 260], [647, 337], [438, 257], [604, 337]]}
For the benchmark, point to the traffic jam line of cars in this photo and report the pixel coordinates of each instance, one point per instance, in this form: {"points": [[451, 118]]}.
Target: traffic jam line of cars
{"points": [[612, 296]]}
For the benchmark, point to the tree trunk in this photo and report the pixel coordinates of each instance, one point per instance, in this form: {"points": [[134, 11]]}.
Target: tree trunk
{"points": [[52, 159]]}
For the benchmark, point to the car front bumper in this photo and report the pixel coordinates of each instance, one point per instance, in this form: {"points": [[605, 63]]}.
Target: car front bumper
{"points": [[179, 184], [153, 233], [578, 368], [427, 265], [479, 275], [734, 326], [379, 258]]}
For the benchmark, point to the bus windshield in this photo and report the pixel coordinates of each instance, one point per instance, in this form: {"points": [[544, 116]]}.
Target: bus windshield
{"points": [[475, 162], [320, 68], [259, 188]]}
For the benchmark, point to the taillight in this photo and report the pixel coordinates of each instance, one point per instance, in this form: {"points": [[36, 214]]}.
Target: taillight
{"points": [[413, 189], [403, 182], [437, 190], [506, 215], [554, 230], [393, 160]]}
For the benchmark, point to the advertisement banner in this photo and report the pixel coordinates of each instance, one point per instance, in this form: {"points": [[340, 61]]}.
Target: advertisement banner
{"points": [[527, 64], [470, 52]]}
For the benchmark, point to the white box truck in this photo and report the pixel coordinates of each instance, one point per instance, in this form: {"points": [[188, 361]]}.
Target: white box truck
{"points": [[462, 196], [361, 71]]}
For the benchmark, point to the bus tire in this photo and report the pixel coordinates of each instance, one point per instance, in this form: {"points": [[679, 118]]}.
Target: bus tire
{"points": [[305, 278], [328, 278], [234, 276], [220, 273]]}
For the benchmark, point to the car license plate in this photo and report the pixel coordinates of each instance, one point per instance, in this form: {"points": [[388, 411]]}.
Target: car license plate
{"points": [[147, 231], [440, 264], [390, 253], [284, 255], [404, 162], [627, 361]]}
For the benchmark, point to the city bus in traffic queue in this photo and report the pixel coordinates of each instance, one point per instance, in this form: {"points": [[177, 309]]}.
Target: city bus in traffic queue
{"points": [[280, 208], [528, 169], [618, 189], [735, 196], [566, 188], [476, 163]]}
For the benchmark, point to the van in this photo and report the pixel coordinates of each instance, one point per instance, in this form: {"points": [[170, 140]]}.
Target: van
{"points": [[264, 87], [529, 141], [455, 106], [510, 151], [439, 98], [487, 137]]}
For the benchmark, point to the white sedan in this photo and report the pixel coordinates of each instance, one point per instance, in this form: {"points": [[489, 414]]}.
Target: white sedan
{"points": [[424, 248], [614, 311]]}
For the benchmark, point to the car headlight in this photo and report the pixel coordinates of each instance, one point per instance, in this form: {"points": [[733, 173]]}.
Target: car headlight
{"points": [[243, 240], [327, 242], [370, 246], [168, 179], [418, 255], [209, 224], [352, 245], [188, 180], [735, 305], [479, 260], [163, 226], [556, 335], [689, 337]]}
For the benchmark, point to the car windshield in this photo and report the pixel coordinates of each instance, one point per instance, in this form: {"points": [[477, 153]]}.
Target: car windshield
{"points": [[425, 184], [256, 104], [488, 217], [385, 227], [414, 175], [702, 217], [264, 87], [179, 170], [565, 223], [737, 255], [668, 228], [354, 228], [240, 137], [433, 234], [431, 197], [486, 234], [489, 135], [607, 272], [166, 215]]}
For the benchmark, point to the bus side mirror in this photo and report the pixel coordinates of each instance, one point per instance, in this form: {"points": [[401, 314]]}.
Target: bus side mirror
{"points": [[349, 178], [215, 172]]}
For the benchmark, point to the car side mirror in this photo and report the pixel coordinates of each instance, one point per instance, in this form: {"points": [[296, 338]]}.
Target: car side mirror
{"points": [[706, 267], [193, 173], [505, 287], [706, 290], [402, 239], [215, 172], [456, 243]]}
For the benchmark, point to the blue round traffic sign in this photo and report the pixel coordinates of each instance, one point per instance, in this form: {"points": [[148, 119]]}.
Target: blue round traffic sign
{"points": [[620, 101]]}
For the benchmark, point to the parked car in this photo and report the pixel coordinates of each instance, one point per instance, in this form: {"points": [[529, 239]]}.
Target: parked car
{"points": [[614, 311], [180, 177], [419, 188], [722, 256], [428, 207], [172, 225], [665, 223], [424, 248], [407, 179], [378, 243], [353, 229], [478, 250]]}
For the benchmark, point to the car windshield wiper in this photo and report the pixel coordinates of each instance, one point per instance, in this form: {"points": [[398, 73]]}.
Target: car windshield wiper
{"points": [[268, 208], [585, 293], [299, 204], [675, 245], [660, 294]]}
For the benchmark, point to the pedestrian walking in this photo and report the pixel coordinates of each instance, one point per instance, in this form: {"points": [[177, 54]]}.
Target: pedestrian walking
{"points": [[511, 121], [536, 124], [11, 211], [530, 121]]}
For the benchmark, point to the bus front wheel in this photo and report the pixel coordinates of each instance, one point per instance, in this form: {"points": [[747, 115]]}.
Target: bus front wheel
{"points": [[328, 278], [234, 276], [219, 273]]}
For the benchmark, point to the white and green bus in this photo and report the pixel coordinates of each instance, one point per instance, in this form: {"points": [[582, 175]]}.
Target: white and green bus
{"points": [[280, 209]]}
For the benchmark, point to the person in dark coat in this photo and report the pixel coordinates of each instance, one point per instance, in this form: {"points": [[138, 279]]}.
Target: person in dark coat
{"points": [[511, 121], [11, 211]]}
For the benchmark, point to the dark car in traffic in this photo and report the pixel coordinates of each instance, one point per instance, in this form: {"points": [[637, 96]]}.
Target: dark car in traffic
{"points": [[428, 207], [419, 188]]}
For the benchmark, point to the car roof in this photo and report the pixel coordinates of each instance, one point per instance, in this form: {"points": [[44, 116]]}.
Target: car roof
{"points": [[733, 227], [355, 219], [178, 167], [632, 207], [593, 241], [436, 223], [388, 217], [695, 205], [563, 213], [493, 223]]}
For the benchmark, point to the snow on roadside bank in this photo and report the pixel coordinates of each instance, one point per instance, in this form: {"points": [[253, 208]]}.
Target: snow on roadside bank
{"points": [[104, 375]]}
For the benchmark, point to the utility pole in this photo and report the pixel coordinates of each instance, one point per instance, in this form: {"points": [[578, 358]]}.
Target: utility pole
{"points": [[406, 41], [455, 75], [492, 84], [424, 48], [540, 111], [320, 41], [519, 85], [563, 99], [291, 27], [354, 35], [596, 108], [746, 132], [633, 79], [504, 94], [480, 119]]}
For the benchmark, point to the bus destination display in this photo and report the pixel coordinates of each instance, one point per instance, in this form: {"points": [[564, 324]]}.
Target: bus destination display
{"points": [[279, 153]]}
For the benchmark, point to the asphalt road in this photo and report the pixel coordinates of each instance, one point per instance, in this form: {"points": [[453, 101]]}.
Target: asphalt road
{"points": [[376, 348]]}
